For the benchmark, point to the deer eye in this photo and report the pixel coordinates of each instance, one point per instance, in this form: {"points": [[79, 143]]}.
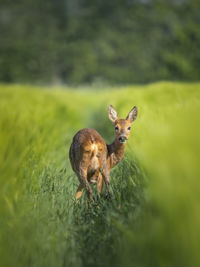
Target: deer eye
{"points": [[129, 128], [116, 128]]}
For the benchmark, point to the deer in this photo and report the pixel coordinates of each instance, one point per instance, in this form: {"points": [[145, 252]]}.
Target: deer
{"points": [[92, 159]]}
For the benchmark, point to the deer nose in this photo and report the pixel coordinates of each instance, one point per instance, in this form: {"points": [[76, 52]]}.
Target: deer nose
{"points": [[122, 139]]}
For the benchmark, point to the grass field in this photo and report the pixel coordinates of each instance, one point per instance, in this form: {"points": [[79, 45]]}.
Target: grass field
{"points": [[153, 218]]}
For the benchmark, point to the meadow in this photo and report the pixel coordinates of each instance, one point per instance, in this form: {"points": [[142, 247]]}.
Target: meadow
{"points": [[153, 216]]}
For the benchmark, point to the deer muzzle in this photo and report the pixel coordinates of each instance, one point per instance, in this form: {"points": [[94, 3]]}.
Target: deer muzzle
{"points": [[123, 139]]}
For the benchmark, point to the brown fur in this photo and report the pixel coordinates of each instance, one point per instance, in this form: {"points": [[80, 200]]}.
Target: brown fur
{"points": [[91, 159]]}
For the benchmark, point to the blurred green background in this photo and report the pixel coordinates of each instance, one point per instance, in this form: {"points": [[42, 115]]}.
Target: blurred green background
{"points": [[84, 41]]}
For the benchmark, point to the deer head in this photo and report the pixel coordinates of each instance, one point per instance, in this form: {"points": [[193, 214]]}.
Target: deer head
{"points": [[122, 126]]}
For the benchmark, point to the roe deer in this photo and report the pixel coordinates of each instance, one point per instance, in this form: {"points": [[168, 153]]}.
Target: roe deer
{"points": [[92, 159]]}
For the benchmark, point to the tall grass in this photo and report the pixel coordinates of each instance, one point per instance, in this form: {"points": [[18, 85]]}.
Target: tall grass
{"points": [[153, 217]]}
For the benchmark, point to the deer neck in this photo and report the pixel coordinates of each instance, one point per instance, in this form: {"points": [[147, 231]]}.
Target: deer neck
{"points": [[115, 153]]}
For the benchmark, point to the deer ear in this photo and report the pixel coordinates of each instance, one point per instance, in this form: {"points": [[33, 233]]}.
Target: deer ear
{"points": [[132, 114], [112, 113]]}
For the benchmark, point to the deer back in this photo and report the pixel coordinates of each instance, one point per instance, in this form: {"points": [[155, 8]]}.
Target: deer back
{"points": [[88, 150]]}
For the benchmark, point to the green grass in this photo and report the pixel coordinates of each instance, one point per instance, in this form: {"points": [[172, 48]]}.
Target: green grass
{"points": [[153, 218]]}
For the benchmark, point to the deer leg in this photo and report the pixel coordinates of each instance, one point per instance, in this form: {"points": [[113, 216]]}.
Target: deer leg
{"points": [[82, 175], [105, 175], [100, 183], [79, 191]]}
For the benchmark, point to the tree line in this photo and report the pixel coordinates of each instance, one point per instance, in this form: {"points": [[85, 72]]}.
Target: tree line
{"points": [[84, 41]]}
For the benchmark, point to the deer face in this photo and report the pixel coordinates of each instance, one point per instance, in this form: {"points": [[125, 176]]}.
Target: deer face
{"points": [[122, 126]]}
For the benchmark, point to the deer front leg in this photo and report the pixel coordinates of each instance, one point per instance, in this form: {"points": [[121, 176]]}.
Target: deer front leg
{"points": [[106, 178]]}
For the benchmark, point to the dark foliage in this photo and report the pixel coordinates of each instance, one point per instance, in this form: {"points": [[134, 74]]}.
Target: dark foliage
{"points": [[83, 41]]}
